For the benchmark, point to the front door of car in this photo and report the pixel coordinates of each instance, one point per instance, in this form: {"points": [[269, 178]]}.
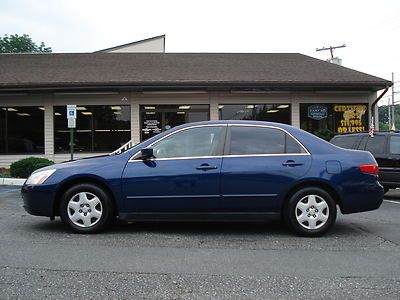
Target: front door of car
{"points": [[259, 166], [184, 176]]}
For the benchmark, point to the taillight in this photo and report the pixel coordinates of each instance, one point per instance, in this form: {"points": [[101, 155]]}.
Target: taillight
{"points": [[370, 169]]}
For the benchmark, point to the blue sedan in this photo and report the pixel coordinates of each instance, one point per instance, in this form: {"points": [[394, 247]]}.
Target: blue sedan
{"points": [[214, 170]]}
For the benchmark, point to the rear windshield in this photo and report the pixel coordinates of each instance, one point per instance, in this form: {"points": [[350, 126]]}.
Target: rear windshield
{"points": [[348, 141]]}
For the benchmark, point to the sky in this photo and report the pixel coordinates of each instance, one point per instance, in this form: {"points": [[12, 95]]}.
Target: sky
{"points": [[369, 29]]}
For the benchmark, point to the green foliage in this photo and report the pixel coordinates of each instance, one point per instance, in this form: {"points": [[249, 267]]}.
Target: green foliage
{"points": [[325, 134], [383, 112], [21, 44], [24, 167]]}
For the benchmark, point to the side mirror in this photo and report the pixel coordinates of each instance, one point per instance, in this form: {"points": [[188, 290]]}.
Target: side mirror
{"points": [[146, 153]]}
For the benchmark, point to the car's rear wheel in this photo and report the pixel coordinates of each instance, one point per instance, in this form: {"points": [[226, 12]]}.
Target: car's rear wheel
{"points": [[86, 208], [310, 212]]}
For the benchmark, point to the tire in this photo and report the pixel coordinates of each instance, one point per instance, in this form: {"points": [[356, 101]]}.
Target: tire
{"points": [[310, 212], [86, 208]]}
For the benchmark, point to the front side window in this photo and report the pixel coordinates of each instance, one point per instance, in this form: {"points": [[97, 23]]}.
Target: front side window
{"points": [[21, 129], [247, 140], [193, 142], [99, 128]]}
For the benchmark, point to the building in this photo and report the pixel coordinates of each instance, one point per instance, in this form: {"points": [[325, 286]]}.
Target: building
{"points": [[122, 96], [153, 44]]}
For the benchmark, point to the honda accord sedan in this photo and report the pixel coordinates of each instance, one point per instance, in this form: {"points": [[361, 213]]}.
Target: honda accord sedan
{"points": [[216, 170]]}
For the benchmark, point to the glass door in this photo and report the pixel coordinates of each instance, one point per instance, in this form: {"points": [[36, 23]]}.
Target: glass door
{"points": [[158, 118]]}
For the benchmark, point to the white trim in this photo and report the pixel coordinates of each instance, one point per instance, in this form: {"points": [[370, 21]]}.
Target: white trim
{"points": [[134, 158]]}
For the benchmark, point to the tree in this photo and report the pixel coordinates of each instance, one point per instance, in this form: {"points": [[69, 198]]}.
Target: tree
{"points": [[384, 117], [21, 44]]}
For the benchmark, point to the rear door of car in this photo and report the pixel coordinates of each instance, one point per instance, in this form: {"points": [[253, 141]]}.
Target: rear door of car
{"points": [[259, 164]]}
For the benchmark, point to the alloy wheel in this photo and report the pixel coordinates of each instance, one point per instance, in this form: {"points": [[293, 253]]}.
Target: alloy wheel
{"points": [[312, 212], [84, 209]]}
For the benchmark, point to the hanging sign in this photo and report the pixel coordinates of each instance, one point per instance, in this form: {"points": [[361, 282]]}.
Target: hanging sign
{"points": [[317, 112]]}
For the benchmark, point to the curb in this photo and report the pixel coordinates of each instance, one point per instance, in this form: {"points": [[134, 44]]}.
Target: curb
{"points": [[12, 181]]}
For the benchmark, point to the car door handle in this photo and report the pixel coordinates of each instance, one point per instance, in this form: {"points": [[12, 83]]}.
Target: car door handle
{"points": [[206, 167], [291, 163]]}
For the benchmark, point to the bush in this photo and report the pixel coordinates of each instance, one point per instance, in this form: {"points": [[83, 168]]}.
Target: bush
{"points": [[24, 167]]}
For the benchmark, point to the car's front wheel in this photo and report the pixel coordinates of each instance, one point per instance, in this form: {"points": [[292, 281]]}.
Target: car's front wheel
{"points": [[310, 212], [86, 208]]}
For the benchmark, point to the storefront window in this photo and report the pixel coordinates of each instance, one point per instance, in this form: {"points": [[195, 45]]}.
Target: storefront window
{"points": [[330, 119], [99, 128], [21, 129], [158, 118], [280, 113]]}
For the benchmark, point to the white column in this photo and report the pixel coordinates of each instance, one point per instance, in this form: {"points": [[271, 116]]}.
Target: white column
{"points": [[214, 112], [295, 113], [135, 119], [49, 130]]}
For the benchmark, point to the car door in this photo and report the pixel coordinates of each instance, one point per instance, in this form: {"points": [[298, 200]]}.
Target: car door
{"points": [[184, 176], [259, 165], [389, 163]]}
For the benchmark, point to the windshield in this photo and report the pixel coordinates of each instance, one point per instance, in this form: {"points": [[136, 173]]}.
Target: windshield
{"points": [[124, 148]]}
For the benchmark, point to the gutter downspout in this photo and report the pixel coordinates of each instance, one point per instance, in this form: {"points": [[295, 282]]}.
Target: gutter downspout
{"points": [[375, 102]]}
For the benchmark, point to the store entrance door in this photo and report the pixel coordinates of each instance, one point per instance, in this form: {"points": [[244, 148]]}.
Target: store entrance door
{"points": [[158, 118]]}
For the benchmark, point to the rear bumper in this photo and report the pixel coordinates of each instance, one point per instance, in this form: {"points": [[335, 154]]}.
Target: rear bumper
{"points": [[363, 197], [38, 199], [389, 177]]}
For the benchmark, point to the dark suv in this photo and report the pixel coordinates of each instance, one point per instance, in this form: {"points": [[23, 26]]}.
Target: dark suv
{"points": [[384, 146]]}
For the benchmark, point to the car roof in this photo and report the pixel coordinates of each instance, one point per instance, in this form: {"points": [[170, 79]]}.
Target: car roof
{"points": [[350, 134], [260, 123]]}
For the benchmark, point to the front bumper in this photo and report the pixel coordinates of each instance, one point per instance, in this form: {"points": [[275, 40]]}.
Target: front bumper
{"points": [[38, 199]]}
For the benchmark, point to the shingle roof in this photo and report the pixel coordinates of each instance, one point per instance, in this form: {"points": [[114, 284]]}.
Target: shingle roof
{"points": [[177, 70]]}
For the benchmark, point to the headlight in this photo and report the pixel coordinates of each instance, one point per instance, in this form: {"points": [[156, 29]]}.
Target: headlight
{"points": [[40, 177]]}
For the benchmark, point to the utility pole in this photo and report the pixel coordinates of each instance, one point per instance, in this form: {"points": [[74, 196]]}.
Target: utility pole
{"points": [[393, 119], [331, 48], [389, 115]]}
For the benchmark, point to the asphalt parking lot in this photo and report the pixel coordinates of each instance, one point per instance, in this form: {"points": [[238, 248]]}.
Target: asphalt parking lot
{"points": [[359, 258]]}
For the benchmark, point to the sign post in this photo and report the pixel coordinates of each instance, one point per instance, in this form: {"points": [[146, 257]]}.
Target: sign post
{"points": [[71, 117]]}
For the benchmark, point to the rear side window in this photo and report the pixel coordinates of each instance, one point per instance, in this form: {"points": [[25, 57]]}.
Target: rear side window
{"points": [[395, 144], [376, 144], [259, 140], [348, 142]]}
